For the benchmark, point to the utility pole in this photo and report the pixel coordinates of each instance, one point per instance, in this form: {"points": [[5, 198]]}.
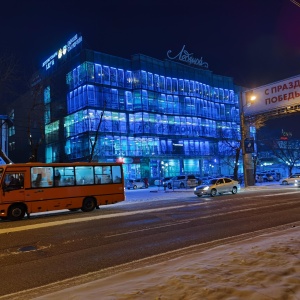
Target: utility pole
{"points": [[248, 168]]}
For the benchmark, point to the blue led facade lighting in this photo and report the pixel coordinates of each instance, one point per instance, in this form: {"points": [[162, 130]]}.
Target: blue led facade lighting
{"points": [[153, 111]]}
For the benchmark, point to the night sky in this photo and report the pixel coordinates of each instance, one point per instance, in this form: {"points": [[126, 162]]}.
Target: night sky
{"points": [[254, 41]]}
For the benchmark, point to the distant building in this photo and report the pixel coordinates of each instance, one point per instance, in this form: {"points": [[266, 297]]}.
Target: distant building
{"points": [[26, 134], [6, 122], [161, 118]]}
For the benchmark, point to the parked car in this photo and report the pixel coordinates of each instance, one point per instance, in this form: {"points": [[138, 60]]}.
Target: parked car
{"points": [[291, 179], [163, 181], [217, 186], [264, 177], [240, 178], [182, 181], [137, 184], [205, 180], [268, 176]]}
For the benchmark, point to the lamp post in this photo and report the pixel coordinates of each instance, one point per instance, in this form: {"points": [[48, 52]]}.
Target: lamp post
{"points": [[248, 168]]}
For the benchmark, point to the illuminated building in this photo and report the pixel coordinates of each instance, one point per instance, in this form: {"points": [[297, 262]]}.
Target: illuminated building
{"points": [[161, 118]]}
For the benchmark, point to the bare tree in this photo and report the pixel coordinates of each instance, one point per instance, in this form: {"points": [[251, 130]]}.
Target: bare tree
{"points": [[94, 143], [5, 158], [9, 79], [231, 143], [35, 127], [287, 151], [230, 147]]}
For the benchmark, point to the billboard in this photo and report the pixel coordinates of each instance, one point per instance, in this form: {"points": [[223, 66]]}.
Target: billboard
{"points": [[273, 96]]}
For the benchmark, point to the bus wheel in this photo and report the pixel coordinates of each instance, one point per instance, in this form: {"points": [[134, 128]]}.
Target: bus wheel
{"points": [[16, 212], [88, 204]]}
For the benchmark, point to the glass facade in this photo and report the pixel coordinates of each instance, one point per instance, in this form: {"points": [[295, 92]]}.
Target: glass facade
{"points": [[160, 118]]}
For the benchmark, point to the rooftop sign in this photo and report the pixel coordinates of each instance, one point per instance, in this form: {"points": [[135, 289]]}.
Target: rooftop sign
{"points": [[277, 95], [60, 53], [186, 57]]}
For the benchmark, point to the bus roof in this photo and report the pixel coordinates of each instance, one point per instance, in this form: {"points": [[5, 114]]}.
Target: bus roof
{"points": [[68, 164]]}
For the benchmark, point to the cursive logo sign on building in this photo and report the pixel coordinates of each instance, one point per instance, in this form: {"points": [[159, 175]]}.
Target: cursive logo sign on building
{"points": [[186, 57]]}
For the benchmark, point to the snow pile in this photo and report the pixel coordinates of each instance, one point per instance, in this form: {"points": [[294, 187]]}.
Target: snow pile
{"points": [[260, 268]]}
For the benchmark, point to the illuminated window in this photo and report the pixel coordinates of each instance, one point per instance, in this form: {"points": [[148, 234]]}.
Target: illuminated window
{"points": [[150, 81], [174, 85], [98, 73], [47, 98], [156, 82], [162, 103], [144, 79], [145, 99], [129, 79], [106, 75], [168, 84], [162, 83], [170, 104], [113, 76], [120, 77]]}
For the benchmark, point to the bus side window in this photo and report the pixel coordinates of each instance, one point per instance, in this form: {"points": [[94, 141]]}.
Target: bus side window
{"points": [[116, 173], [98, 174], [84, 175], [106, 175], [98, 180]]}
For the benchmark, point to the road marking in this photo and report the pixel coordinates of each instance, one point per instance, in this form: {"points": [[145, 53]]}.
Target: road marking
{"points": [[278, 194], [92, 218], [150, 228]]}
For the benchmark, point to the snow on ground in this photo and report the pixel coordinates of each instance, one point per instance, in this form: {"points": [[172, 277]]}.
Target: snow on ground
{"points": [[261, 268]]}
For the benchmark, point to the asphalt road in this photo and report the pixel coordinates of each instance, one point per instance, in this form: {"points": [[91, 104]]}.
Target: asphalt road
{"points": [[58, 250]]}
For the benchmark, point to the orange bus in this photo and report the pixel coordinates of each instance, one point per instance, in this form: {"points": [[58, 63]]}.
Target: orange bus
{"points": [[38, 187]]}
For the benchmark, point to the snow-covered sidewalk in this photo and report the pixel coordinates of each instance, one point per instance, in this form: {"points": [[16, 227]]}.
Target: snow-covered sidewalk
{"points": [[260, 268]]}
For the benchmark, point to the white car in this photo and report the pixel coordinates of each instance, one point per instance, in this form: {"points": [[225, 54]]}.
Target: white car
{"points": [[217, 186], [291, 180], [182, 182], [136, 184]]}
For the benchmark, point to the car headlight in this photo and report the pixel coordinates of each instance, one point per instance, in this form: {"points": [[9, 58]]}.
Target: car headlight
{"points": [[206, 188]]}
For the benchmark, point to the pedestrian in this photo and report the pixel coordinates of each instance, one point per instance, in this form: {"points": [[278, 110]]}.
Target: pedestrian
{"points": [[57, 177]]}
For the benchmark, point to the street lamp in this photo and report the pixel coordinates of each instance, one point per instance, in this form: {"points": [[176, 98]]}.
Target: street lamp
{"points": [[247, 143]]}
